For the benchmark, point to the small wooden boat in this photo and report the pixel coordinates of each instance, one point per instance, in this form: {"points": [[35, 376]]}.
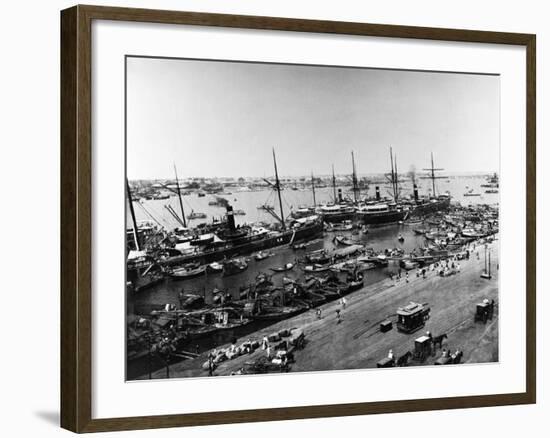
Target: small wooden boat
{"points": [[318, 257], [284, 268], [235, 266], [401, 238], [262, 255], [343, 240], [315, 268], [343, 226], [185, 273], [215, 267], [196, 215]]}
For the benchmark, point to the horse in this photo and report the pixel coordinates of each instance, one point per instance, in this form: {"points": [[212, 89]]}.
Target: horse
{"points": [[403, 360], [438, 340]]}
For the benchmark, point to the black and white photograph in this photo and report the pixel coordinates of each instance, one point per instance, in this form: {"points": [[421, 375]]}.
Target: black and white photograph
{"points": [[289, 218]]}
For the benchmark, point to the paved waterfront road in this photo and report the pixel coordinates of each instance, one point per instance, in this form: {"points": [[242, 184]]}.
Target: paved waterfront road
{"points": [[357, 343]]}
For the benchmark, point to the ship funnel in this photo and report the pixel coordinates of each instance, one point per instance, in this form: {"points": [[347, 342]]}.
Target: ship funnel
{"points": [[340, 196], [230, 218], [377, 193], [415, 192]]}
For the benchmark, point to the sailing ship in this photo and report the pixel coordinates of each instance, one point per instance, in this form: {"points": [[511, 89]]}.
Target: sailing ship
{"points": [[434, 203]]}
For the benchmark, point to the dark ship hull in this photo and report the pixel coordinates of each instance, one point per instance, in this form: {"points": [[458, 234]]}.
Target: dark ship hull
{"points": [[247, 245], [379, 218], [429, 207], [338, 217]]}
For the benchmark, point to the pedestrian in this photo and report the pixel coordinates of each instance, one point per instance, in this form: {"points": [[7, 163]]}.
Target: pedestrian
{"points": [[407, 276], [197, 349], [344, 302], [390, 354], [268, 351], [338, 317], [424, 272]]}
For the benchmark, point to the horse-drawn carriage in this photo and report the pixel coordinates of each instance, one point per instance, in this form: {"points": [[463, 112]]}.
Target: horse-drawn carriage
{"points": [[484, 311], [422, 348], [412, 317]]}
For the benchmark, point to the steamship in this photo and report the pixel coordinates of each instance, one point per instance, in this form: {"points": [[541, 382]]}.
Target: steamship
{"points": [[379, 212], [228, 240]]}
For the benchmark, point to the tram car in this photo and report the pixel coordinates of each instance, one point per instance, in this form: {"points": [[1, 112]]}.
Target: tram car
{"points": [[412, 317]]}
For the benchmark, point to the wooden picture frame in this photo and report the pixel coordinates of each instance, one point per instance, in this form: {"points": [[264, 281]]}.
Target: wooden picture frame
{"points": [[76, 217]]}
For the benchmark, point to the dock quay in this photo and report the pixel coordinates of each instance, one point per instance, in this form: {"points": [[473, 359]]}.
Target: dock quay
{"points": [[355, 341]]}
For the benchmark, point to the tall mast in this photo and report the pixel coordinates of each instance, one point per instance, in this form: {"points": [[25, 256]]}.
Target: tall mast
{"points": [[396, 190], [179, 196], [333, 184], [354, 178], [433, 174], [278, 187], [392, 173], [133, 214], [313, 189]]}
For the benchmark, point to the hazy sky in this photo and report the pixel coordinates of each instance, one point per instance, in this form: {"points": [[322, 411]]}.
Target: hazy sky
{"points": [[223, 118]]}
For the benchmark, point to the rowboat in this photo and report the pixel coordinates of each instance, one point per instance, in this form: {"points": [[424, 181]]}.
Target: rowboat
{"points": [[342, 240], [284, 268], [315, 268], [262, 255], [184, 273]]}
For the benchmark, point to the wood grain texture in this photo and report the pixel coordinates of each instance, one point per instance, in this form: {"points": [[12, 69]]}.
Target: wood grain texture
{"points": [[68, 347], [76, 223]]}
